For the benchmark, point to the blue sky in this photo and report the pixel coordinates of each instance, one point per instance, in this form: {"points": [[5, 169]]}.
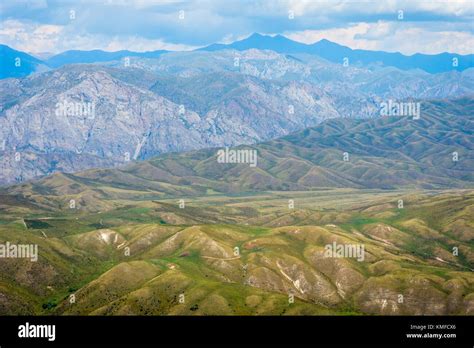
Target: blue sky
{"points": [[428, 26]]}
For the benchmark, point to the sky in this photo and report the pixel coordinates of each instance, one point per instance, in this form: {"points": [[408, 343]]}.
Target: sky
{"points": [[406, 26]]}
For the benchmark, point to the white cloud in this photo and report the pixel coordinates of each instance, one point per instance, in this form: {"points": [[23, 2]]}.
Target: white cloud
{"points": [[391, 37], [343, 36], [36, 38], [30, 37], [443, 7]]}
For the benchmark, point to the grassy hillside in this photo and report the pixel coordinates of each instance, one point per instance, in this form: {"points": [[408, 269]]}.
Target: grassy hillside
{"points": [[190, 252]]}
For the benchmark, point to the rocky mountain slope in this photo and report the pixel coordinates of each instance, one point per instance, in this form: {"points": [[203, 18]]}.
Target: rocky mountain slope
{"points": [[88, 116], [131, 122], [384, 153]]}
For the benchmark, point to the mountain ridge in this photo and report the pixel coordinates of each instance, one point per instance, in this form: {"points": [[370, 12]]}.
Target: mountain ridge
{"points": [[96, 56], [432, 63], [18, 64]]}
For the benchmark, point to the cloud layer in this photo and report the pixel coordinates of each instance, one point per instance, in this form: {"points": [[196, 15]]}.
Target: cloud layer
{"points": [[426, 26]]}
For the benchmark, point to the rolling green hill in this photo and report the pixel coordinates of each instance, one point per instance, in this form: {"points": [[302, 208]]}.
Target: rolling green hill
{"points": [[184, 260]]}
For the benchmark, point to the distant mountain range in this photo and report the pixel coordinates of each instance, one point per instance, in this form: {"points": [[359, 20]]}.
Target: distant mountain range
{"points": [[96, 56], [27, 64], [189, 100], [18, 64], [328, 50], [161, 102], [336, 53]]}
